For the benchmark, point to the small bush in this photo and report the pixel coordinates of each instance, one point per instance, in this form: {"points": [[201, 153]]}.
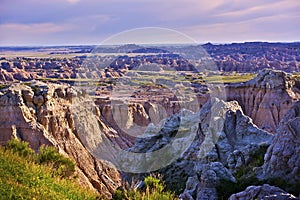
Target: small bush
{"points": [[226, 188], [154, 183], [20, 147], [23, 178], [154, 189], [63, 166], [2, 86], [257, 157]]}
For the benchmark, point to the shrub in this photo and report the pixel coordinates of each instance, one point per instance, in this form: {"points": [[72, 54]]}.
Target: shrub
{"points": [[20, 147], [257, 157], [154, 183], [62, 166], [23, 178], [226, 188], [292, 188], [154, 189], [245, 176], [2, 86]]}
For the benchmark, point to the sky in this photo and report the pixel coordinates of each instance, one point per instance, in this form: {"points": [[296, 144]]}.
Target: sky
{"points": [[80, 22]]}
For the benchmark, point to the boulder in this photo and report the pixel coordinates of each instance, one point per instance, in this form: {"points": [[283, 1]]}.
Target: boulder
{"points": [[262, 192]]}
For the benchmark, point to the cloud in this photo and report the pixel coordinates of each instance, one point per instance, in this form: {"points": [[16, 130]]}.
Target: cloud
{"points": [[183, 10], [94, 20], [73, 1], [33, 28], [266, 8], [270, 28], [149, 35], [17, 34]]}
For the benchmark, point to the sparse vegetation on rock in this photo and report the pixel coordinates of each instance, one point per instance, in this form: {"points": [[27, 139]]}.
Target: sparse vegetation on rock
{"points": [[153, 188], [23, 177]]}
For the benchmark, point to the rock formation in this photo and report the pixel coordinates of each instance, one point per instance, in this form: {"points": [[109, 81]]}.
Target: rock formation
{"points": [[255, 56], [242, 57], [46, 114], [203, 184], [266, 98], [226, 139], [262, 192], [282, 159], [234, 148], [281, 162]]}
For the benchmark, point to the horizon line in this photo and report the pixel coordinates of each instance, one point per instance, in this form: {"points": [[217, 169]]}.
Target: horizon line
{"points": [[154, 44]]}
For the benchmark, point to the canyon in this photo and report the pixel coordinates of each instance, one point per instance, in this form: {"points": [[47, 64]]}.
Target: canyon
{"points": [[65, 62], [202, 141]]}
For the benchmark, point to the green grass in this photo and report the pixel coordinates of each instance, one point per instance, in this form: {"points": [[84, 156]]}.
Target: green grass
{"points": [[198, 78], [154, 189], [296, 76], [23, 178], [232, 78], [2, 86], [245, 175], [149, 78]]}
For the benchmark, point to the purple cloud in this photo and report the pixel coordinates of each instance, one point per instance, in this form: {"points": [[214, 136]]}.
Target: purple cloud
{"points": [[47, 22]]}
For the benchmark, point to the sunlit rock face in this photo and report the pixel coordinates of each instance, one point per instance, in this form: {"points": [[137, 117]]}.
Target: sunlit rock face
{"points": [[57, 115], [266, 98]]}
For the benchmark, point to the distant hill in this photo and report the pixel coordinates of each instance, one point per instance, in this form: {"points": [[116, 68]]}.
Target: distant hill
{"points": [[249, 57], [254, 56], [149, 50]]}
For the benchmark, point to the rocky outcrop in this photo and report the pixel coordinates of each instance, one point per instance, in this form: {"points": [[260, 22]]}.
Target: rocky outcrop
{"points": [[262, 192], [24, 69], [10, 72], [240, 57], [243, 57], [282, 159], [233, 145], [234, 148], [265, 98], [255, 56], [219, 134], [203, 184], [57, 115]]}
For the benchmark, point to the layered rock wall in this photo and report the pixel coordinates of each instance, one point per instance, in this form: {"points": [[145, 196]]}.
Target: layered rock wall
{"points": [[282, 159], [265, 98], [47, 115]]}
